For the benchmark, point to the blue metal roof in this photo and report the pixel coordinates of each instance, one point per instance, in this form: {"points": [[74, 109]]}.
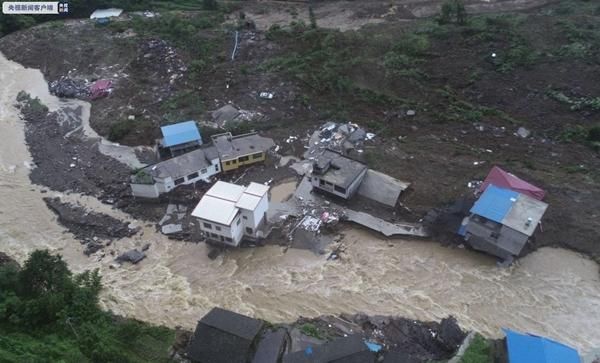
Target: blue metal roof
{"points": [[495, 203], [180, 133], [526, 348]]}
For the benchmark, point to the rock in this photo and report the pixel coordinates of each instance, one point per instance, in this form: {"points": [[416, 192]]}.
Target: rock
{"points": [[523, 132], [411, 113], [92, 247], [131, 117], [146, 247], [134, 256]]}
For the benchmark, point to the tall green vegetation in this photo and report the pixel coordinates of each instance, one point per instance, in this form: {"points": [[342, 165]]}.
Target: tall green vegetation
{"points": [[453, 11], [49, 314]]}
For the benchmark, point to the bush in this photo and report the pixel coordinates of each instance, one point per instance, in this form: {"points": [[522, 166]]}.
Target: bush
{"points": [[594, 134], [478, 352], [210, 4], [120, 129]]}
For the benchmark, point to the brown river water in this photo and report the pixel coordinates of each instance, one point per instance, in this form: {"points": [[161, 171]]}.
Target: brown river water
{"points": [[552, 292]]}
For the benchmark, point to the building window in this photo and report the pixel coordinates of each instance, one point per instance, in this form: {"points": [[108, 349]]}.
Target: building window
{"points": [[228, 239], [207, 225], [228, 162], [340, 189], [217, 228], [243, 159], [495, 235], [203, 171], [214, 235], [321, 182], [216, 167], [179, 181], [246, 218], [234, 161], [193, 176], [248, 230], [238, 222], [257, 156], [222, 238]]}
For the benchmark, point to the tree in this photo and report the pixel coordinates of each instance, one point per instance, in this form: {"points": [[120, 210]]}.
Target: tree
{"points": [[210, 4], [453, 10], [312, 17]]}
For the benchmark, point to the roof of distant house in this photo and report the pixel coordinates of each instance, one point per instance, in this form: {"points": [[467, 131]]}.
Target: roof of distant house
{"points": [[527, 348], [180, 166], [504, 179], [180, 133], [223, 336], [106, 13], [338, 169], [348, 349], [514, 210], [232, 147]]}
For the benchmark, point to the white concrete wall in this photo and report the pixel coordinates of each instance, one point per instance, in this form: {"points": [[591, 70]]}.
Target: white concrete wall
{"points": [[235, 231], [145, 190]]}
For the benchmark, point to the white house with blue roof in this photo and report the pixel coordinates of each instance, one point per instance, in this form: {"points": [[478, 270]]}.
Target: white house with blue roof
{"points": [[180, 138], [502, 221]]}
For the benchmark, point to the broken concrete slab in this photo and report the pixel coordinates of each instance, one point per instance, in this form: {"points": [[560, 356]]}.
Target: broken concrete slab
{"points": [[381, 188], [171, 228], [387, 228]]}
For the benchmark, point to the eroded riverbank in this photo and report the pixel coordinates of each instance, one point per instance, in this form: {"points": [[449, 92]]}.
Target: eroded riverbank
{"points": [[553, 292]]}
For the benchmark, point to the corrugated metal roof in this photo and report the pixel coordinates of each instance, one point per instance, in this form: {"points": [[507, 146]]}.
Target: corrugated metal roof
{"points": [[248, 201], [180, 133], [105, 13], [495, 203], [257, 189], [526, 348], [503, 179], [226, 191], [180, 166], [215, 210]]}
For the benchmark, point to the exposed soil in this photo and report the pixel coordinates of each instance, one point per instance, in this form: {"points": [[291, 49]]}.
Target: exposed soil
{"points": [[436, 154]]}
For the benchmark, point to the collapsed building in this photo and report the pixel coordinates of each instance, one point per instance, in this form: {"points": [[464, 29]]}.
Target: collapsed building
{"points": [[503, 218], [337, 174], [228, 213]]}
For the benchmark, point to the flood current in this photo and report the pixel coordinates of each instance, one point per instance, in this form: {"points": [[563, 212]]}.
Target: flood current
{"points": [[552, 292]]}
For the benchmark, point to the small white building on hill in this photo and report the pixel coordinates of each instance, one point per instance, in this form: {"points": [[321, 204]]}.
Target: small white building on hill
{"points": [[228, 212]]}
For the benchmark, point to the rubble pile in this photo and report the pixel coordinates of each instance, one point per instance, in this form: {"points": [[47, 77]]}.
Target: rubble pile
{"points": [[158, 53], [90, 228], [340, 137], [69, 88]]}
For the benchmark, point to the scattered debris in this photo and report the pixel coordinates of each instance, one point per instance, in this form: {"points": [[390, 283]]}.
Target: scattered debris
{"points": [[523, 132], [411, 113], [134, 256], [266, 95], [171, 228], [69, 88]]}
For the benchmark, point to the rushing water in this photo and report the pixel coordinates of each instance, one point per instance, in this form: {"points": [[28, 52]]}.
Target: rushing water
{"points": [[553, 292]]}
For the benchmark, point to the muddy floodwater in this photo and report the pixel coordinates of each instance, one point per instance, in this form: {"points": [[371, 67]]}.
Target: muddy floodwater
{"points": [[552, 292]]}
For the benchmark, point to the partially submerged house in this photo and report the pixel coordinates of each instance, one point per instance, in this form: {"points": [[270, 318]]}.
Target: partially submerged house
{"points": [[153, 180], [228, 213], [350, 349], [180, 138], [239, 150], [337, 174], [528, 348], [501, 221], [223, 336]]}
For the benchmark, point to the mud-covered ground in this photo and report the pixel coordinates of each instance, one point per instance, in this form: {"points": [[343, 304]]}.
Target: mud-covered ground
{"points": [[446, 144]]}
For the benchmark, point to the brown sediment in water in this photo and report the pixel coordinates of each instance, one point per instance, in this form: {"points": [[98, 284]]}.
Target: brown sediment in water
{"points": [[553, 292]]}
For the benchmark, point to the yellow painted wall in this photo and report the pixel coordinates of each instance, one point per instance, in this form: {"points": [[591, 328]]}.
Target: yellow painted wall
{"points": [[236, 163]]}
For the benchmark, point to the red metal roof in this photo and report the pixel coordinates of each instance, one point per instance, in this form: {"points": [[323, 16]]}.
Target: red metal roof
{"points": [[504, 179]]}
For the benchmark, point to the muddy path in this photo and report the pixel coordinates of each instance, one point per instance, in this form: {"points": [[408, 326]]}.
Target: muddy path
{"points": [[553, 292]]}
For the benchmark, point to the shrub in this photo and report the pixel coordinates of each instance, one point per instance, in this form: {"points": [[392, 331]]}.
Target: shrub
{"points": [[594, 134], [210, 4], [120, 129]]}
